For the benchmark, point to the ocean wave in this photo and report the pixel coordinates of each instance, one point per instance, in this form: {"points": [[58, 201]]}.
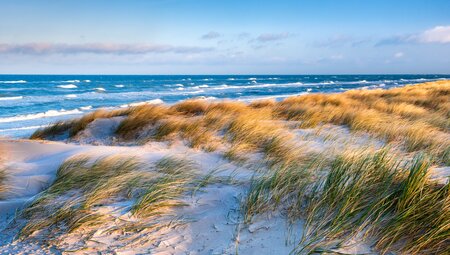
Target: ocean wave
{"points": [[72, 81], [86, 108], [119, 86], [13, 82], [68, 86], [87, 81], [263, 85], [11, 98], [22, 128], [49, 113], [71, 96], [255, 98], [100, 89], [153, 101], [179, 85], [205, 98]]}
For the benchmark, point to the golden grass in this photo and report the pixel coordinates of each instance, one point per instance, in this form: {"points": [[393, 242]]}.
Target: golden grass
{"points": [[386, 197], [83, 186], [367, 195], [416, 116]]}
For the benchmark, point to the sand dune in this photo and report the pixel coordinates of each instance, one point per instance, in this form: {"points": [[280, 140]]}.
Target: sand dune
{"points": [[160, 187]]}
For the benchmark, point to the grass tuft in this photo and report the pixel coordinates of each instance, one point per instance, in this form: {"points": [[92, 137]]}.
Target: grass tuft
{"points": [[84, 186]]}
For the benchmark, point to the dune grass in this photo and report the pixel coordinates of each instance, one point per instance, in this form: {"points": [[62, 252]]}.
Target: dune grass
{"points": [[391, 202], [84, 186], [417, 116], [360, 195], [381, 196]]}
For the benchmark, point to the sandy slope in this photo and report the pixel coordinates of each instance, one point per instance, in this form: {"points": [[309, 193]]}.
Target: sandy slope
{"points": [[212, 216], [211, 221]]}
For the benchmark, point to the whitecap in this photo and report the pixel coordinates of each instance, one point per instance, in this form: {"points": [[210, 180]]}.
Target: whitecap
{"points": [[180, 88], [119, 86], [100, 89], [70, 96], [153, 101], [13, 82], [72, 81], [203, 86], [22, 128], [205, 98], [252, 79], [11, 98], [50, 113], [87, 80], [309, 90], [86, 108], [179, 85], [250, 99], [68, 86]]}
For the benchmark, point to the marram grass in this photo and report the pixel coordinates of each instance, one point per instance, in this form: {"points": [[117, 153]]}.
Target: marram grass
{"points": [[416, 116], [83, 186]]}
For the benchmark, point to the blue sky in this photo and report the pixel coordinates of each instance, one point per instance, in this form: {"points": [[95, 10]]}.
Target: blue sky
{"points": [[224, 36]]}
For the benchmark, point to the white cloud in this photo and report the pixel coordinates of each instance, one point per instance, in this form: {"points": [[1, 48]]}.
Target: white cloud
{"points": [[96, 48], [272, 37], [399, 55], [439, 34], [211, 35]]}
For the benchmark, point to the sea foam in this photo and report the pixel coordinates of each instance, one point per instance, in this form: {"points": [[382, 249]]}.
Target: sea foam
{"points": [[13, 82], [49, 113], [11, 98], [68, 86]]}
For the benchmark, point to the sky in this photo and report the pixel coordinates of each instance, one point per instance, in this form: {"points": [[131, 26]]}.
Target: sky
{"points": [[224, 37]]}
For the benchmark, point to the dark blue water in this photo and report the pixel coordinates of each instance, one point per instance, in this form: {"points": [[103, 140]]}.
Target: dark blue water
{"points": [[30, 101]]}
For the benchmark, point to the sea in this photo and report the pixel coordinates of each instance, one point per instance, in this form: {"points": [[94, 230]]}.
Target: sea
{"points": [[28, 102]]}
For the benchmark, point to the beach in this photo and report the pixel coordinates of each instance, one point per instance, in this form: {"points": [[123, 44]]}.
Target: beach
{"points": [[362, 171]]}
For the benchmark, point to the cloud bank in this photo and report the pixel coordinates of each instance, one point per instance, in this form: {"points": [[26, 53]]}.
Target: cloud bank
{"points": [[96, 48], [438, 34], [211, 35], [272, 37]]}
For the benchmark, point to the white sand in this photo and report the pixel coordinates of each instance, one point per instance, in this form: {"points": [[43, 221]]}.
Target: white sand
{"points": [[214, 222], [212, 217]]}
